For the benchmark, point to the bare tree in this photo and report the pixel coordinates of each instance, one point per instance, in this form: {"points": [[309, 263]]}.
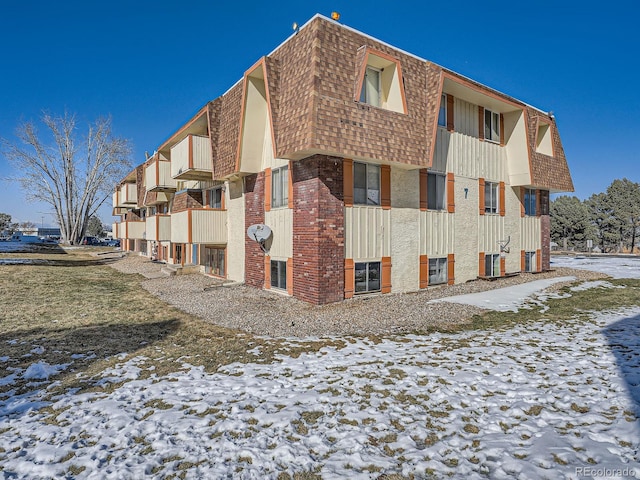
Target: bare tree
{"points": [[75, 178]]}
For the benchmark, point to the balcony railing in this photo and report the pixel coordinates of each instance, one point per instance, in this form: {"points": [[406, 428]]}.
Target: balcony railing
{"points": [[159, 227], [128, 195], [115, 230], [191, 159], [201, 225], [157, 177], [133, 229]]}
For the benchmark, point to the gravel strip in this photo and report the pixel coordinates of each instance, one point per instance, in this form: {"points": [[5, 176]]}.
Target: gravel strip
{"points": [[269, 313]]}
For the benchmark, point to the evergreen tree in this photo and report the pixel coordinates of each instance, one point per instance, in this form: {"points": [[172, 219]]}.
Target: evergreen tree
{"points": [[604, 225], [570, 224], [623, 198]]}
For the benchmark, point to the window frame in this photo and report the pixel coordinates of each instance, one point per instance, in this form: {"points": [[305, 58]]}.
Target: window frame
{"points": [[441, 267], [365, 92], [280, 187], [439, 178], [491, 263], [220, 267], [210, 203], [442, 112], [489, 208], [530, 261], [368, 201], [530, 202], [369, 267], [488, 133], [279, 280]]}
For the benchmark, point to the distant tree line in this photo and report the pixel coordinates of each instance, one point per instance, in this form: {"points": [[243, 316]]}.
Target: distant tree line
{"points": [[8, 227], [610, 219]]}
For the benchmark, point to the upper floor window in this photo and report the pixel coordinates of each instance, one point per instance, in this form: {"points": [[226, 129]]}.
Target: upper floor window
{"points": [[490, 197], [491, 126], [442, 113], [370, 92], [214, 198], [280, 187], [366, 184], [436, 191], [529, 202]]}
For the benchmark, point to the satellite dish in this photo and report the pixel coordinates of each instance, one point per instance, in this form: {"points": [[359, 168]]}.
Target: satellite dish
{"points": [[260, 233]]}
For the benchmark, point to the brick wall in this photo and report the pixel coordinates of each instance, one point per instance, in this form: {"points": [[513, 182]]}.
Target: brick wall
{"points": [[318, 230], [254, 213], [187, 199], [545, 233], [140, 188]]}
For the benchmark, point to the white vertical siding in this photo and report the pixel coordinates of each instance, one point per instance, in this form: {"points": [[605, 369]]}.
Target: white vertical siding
{"points": [[202, 153], [367, 233], [465, 118], [530, 233], [281, 223], [437, 233], [207, 226], [490, 233]]}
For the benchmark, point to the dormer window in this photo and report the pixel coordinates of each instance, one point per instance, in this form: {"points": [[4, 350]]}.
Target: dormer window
{"points": [[370, 92], [379, 81]]}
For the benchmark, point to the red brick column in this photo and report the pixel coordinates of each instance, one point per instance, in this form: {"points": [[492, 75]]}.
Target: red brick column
{"points": [[254, 213], [545, 233], [318, 229]]}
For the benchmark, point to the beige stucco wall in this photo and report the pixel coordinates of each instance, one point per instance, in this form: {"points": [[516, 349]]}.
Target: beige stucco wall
{"points": [[235, 230], [405, 230], [466, 239]]}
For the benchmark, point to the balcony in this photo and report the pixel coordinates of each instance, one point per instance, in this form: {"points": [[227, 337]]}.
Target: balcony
{"points": [[199, 225], [159, 227], [157, 177], [127, 195], [191, 159], [115, 230], [132, 229]]}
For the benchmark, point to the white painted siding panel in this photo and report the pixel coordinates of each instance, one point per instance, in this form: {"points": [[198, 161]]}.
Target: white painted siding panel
{"points": [[207, 226], [281, 223], [465, 118], [437, 233], [367, 233], [491, 232], [202, 153], [530, 233]]}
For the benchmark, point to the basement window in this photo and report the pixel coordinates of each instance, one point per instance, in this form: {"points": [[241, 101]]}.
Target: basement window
{"points": [[279, 274], [529, 261], [492, 265], [437, 271], [367, 277]]}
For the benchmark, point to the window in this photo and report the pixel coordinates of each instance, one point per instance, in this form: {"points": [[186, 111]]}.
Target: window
{"points": [[214, 198], [367, 277], [490, 197], [436, 191], [279, 274], [366, 184], [492, 265], [544, 144], [370, 92], [437, 271], [214, 261], [442, 113], [530, 202], [151, 211], [280, 187], [492, 126], [529, 261]]}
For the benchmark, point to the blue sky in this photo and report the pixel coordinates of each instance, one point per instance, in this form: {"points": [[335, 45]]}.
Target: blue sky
{"points": [[152, 64]]}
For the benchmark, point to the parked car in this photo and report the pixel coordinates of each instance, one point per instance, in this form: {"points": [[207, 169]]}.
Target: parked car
{"points": [[111, 242], [90, 241]]}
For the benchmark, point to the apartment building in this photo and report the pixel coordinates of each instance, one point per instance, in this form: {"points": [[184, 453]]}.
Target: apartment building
{"points": [[375, 170]]}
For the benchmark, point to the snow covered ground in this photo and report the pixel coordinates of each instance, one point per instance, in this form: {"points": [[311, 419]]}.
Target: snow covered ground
{"points": [[534, 401], [616, 267]]}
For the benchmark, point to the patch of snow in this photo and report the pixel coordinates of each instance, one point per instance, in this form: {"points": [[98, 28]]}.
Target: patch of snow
{"points": [[594, 284], [616, 267], [38, 350], [42, 370], [533, 401]]}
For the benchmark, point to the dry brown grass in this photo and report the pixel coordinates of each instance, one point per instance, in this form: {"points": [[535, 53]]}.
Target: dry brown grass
{"points": [[79, 306]]}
